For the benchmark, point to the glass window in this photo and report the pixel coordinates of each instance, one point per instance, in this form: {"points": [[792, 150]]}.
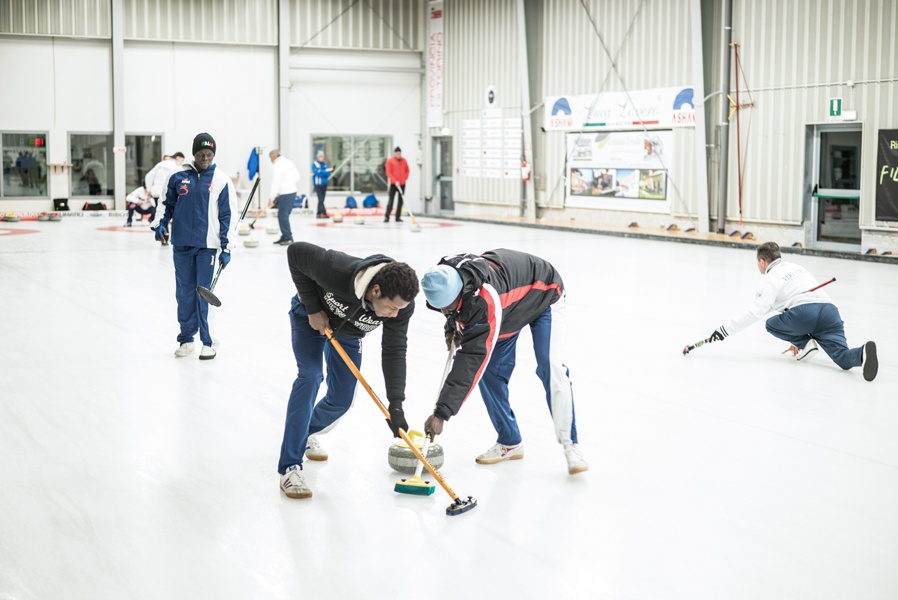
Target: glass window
{"points": [[24, 164], [92, 164], [360, 162], [144, 151]]}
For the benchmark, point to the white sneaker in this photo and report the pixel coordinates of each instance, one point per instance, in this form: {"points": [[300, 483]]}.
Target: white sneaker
{"points": [[576, 462], [185, 349], [501, 452], [294, 485], [314, 451], [207, 353], [808, 349]]}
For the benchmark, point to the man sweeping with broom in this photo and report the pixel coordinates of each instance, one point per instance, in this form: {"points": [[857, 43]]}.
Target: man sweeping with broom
{"points": [[352, 297]]}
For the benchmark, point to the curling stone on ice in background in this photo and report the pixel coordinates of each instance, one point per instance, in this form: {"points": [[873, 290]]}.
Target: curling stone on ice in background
{"points": [[338, 218], [243, 229], [359, 220], [250, 242], [43, 217], [402, 458], [272, 229], [55, 216], [11, 217]]}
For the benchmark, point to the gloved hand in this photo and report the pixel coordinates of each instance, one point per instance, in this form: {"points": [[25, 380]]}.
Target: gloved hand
{"points": [[718, 335], [452, 336], [433, 426], [397, 419], [160, 232], [224, 257]]}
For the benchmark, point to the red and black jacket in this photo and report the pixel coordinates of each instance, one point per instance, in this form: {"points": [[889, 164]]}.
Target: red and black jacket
{"points": [[503, 291]]}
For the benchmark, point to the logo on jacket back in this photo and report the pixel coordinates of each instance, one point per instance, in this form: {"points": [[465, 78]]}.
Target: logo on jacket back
{"points": [[184, 188]]}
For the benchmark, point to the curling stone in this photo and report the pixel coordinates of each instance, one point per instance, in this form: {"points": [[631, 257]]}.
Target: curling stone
{"points": [[272, 230], [359, 220], [55, 216], [243, 230], [250, 242], [402, 459], [11, 217], [43, 217], [338, 218]]}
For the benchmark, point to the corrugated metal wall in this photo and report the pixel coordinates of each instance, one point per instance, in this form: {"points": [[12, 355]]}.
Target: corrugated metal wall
{"points": [[75, 18], [799, 46], [649, 41], [215, 21], [358, 24], [481, 50]]}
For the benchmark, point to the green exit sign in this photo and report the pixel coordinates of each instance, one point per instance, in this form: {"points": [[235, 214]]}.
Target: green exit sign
{"points": [[835, 107]]}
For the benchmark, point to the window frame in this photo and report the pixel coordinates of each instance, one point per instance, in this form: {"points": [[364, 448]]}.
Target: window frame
{"points": [[46, 136]]}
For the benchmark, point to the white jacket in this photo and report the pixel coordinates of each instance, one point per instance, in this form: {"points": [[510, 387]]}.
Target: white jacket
{"points": [[783, 286], [157, 179], [284, 177], [140, 197]]}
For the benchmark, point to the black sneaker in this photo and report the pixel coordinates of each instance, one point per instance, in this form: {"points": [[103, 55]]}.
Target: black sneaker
{"points": [[387, 220], [398, 220], [285, 242], [871, 364]]}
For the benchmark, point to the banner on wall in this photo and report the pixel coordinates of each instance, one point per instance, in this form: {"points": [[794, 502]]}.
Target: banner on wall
{"points": [[619, 169], [887, 176], [435, 65], [658, 107]]}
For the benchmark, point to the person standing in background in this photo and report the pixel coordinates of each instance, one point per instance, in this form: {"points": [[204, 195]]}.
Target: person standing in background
{"points": [[321, 172], [200, 197], [397, 175], [283, 192], [157, 177]]}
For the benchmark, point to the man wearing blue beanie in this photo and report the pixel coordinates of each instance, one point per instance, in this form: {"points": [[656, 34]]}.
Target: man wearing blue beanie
{"points": [[487, 301]]}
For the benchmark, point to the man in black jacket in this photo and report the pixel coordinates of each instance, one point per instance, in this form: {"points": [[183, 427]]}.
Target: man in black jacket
{"points": [[352, 296], [487, 300]]}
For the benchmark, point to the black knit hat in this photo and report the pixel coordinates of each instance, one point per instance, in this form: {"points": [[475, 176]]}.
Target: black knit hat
{"points": [[203, 141], [397, 149]]}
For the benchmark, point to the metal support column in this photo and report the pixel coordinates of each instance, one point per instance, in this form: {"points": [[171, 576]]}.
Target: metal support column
{"points": [[724, 114]]}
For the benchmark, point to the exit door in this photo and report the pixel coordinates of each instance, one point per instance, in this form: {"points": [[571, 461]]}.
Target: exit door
{"points": [[836, 194]]}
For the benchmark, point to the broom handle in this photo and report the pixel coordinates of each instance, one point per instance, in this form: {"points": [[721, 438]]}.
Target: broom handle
{"points": [[383, 409], [446, 370]]}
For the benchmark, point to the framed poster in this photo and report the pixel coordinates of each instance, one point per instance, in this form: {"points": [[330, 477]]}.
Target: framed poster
{"points": [[625, 170]]}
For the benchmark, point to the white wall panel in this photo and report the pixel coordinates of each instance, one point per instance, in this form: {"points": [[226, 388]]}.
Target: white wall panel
{"points": [[231, 21], [649, 46], [28, 99], [365, 25], [480, 51], [231, 94], [77, 18], [796, 56], [83, 85], [358, 93]]}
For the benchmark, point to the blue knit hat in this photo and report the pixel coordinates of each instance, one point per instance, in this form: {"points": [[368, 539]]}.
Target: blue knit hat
{"points": [[442, 284]]}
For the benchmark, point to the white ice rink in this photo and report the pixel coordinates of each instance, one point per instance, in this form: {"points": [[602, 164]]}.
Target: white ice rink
{"points": [[732, 473]]}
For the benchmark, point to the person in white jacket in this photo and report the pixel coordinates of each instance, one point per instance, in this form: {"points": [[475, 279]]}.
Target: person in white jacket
{"points": [[157, 177], [808, 320], [284, 177], [141, 202]]}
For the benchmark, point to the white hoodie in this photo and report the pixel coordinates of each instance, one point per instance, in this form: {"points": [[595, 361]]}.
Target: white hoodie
{"points": [[783, 286]]}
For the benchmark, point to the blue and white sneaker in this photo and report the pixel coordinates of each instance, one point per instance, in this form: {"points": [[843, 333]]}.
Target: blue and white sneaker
{"points": [[294, 485]]}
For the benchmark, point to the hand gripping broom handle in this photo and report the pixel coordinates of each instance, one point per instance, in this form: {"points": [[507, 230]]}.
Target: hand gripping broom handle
{"points": [[383, 409]]}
